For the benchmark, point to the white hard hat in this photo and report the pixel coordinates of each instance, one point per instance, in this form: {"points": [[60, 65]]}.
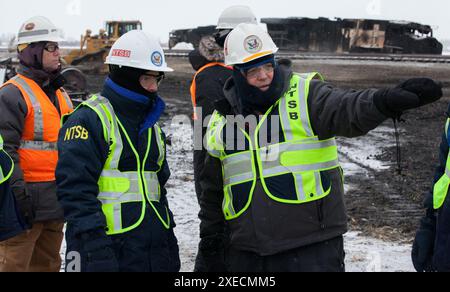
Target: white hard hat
{"points": [[235, 15], [246, 43], [38, 29], [136, 49]]}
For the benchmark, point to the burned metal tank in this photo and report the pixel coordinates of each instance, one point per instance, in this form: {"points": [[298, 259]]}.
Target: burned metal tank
{"points": [[192, 36], [353, 36], [323, 35]]}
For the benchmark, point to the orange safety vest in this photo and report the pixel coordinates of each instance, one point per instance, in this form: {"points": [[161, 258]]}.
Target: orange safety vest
{"points": [[194, 85], [38, 152]]}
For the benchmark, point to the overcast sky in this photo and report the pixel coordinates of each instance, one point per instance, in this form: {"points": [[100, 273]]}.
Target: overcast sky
{"points": [[160, 17]]}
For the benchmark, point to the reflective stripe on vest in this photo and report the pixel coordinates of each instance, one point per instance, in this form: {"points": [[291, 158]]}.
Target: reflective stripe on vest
{"points": [[5, 174], [117, 188], [302, 155], [194, 84], [441, 188], [38, 150]]}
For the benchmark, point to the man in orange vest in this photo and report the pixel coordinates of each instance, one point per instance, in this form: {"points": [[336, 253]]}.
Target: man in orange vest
{"points": [[31, 107], [207, 87]]}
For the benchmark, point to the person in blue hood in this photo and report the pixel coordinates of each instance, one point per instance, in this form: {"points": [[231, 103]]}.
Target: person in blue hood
{"points": [[112, 169]]}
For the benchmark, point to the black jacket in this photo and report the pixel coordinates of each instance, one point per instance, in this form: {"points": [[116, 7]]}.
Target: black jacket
{"points": [[442, 244], [210, 83], [11, 224], [81, 161], [268, 227], [80, 165], [37, 201]]}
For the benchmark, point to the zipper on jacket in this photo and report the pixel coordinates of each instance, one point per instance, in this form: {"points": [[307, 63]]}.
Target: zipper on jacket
{"points": [[320, 214]]}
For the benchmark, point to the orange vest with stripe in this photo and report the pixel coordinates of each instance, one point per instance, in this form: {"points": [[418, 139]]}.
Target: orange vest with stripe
{"points": [[194, 85], [38, 152]]}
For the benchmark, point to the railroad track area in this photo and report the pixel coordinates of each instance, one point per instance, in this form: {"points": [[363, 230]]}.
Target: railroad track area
{"points": [[351, 57]]}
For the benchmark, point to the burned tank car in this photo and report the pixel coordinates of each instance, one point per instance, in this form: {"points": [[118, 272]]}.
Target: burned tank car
{"points": [[352, 36], [192, 36]]}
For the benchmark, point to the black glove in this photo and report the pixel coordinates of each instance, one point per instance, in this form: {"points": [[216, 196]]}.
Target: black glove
{"points": [[211, 255], [25, 206], [98, 253], [426, 89], [423, 247], [411, 94]]}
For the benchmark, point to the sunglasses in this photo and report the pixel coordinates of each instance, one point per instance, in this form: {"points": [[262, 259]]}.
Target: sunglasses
{"points": [[51, 48]]}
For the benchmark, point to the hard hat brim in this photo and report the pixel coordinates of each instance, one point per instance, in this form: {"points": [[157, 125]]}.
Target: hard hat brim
{"points": [[30, 40], [164, 69]]}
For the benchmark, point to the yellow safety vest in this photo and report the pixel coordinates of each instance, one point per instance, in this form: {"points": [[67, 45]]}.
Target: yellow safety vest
{"points": [[441, 187], [119, 188], [296, 164]]}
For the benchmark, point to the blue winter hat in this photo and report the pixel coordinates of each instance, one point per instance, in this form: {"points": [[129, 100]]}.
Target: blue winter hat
{"points": [[257, 63]]}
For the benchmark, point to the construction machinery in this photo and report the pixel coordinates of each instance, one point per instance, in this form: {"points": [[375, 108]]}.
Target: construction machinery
{"points": [[95, 48], [7, 71]]}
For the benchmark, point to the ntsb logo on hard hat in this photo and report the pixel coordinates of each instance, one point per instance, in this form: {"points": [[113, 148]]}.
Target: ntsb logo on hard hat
{"points": [[121, 53], [157, 59], [253, 44]]}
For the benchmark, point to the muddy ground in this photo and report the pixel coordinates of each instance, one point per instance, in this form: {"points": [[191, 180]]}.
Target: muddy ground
{"points": [[381, 203]]}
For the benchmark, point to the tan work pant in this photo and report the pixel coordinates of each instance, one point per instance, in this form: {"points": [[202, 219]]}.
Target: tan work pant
{"points": [[36, 250]]}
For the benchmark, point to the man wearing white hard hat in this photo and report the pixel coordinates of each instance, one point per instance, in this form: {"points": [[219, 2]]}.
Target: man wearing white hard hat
{"points": [[271, 143], [207, 87], [31, 106], [112, 168]]}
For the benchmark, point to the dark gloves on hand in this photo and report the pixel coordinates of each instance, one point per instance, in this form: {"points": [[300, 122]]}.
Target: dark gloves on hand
{"points": [[411, 94], [25, 207], [99, 253], [423, 247], [426, 89], [211, 255]]}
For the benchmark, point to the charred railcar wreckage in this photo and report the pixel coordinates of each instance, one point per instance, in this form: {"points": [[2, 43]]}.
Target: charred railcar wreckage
{"points": [[323, 35]]}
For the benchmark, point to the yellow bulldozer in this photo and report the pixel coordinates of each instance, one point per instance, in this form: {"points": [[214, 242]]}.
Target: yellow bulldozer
{"points": [[95, 48]]}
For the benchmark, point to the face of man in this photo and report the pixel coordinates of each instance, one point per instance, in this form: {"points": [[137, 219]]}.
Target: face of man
{"points": [[261, 77], [150, 81], [51, 57]]}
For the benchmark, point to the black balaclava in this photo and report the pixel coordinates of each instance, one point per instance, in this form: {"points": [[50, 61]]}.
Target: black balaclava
{"points": [[253, 100], [32, 56], [128, 78]]}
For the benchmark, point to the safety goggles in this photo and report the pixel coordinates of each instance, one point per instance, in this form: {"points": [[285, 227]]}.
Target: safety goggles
{"points": [[51, 47], [254, 72], [158, 78]]}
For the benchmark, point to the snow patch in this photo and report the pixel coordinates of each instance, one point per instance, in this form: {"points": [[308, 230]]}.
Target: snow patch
{"points": [[358, 155], [365, 254], [183, 47]]}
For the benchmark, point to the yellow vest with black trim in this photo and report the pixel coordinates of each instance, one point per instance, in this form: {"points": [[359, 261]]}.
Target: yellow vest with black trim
{"points": [[440, 190], [117, 188], [5, 174], [290, 172]]}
